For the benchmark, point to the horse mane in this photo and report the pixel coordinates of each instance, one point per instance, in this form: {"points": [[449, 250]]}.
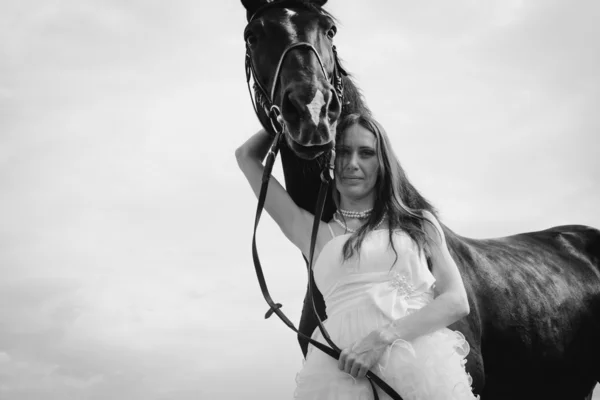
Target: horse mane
{"points": [[353, 101], [316, 8]]}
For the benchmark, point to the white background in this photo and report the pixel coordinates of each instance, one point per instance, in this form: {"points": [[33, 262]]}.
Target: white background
{"points": [[125, 225]]}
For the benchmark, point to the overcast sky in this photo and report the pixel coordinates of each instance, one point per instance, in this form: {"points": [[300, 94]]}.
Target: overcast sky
{"points": [[125, 225]]}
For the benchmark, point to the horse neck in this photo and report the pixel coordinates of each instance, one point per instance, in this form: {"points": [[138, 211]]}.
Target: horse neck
{"points": [[303, 181]]}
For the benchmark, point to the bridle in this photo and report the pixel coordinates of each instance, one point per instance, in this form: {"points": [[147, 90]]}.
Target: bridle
{"points": [[272, 111], [262, 97]]}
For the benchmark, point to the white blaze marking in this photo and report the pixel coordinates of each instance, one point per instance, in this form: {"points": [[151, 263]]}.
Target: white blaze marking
{"points": [[315, 107], [289, 27]]}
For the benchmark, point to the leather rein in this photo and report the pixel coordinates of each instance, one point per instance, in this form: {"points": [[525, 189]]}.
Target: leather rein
{"points": [[264, 99]]}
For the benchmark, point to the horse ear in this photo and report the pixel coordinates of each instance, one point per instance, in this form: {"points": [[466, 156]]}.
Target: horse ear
{"points": [[252, 5]]}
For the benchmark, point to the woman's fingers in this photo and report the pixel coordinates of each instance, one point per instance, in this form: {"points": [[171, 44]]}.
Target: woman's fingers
{"points": [[362, 372], [349, 363], [346, 360], [358, 368], [342, 359], [353, 364], [354, 369]]}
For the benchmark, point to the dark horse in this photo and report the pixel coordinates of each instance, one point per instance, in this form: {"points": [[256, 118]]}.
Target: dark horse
{"points": [[534, 326]]}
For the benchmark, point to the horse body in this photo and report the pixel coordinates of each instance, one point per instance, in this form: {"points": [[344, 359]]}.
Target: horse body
{"points": [[535, 310], [535, 297]]}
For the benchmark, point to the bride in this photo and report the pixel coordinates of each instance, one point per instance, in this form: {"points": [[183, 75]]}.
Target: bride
{"points": [[386, 308]]}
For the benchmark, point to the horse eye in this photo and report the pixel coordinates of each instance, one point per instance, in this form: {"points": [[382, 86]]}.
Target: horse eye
{"points": [[331, 32], [251, 40]]}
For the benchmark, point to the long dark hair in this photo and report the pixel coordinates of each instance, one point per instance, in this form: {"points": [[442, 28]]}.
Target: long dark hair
{"points": [[395, 196]]}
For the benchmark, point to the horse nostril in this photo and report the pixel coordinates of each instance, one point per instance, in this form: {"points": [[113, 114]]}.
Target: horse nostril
{"points": [[334, 108], [289, 111]]}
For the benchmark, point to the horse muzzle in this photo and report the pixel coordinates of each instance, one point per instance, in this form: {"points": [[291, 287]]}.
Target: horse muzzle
{"points": [[310, 113], [308, 152]]}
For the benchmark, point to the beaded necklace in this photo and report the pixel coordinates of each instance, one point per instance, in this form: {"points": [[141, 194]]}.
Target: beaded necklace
{"points": [[356, 214], [340, 223]]}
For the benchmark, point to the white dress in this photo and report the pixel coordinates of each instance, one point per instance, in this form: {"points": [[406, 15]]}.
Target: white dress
{"points": [[365, 293]]}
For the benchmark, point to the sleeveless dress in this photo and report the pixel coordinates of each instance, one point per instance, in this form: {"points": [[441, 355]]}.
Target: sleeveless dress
{"points": [[365, 293]]}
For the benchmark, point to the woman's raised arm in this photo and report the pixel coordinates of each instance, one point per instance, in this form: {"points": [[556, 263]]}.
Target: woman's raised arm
{"points": [[294, 222]]}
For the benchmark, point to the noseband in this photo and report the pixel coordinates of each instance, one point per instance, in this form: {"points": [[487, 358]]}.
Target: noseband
{"points": [[272, 111]]}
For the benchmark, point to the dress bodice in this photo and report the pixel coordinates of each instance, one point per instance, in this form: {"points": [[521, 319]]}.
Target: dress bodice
{"points": [[365, 293], [374, 277]]}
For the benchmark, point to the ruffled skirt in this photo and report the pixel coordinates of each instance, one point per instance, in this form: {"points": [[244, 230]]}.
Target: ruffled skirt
{"points": [[431, 367]]}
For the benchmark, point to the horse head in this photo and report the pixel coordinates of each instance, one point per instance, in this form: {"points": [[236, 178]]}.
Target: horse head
{"points": [[290, 54]]}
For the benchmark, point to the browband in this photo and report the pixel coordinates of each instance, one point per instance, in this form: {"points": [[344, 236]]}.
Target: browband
{"points": [[276, 4]]}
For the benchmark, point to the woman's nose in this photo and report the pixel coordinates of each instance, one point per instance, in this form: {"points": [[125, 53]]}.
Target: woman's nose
{"points": [[353, 161]]}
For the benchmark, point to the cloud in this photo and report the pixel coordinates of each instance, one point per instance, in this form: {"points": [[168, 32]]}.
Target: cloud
{"points": [[91, 340], [18, 374]]}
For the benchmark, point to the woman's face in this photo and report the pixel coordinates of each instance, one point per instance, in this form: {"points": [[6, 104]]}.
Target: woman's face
{"points": [[356, 163]]}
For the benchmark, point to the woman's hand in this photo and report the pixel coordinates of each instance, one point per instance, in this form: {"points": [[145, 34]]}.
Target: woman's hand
{"points": [[359, 358], [256, 147]]}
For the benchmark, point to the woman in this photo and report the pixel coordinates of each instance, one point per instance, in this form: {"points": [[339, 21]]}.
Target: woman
{"points": [[370, 265]]}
